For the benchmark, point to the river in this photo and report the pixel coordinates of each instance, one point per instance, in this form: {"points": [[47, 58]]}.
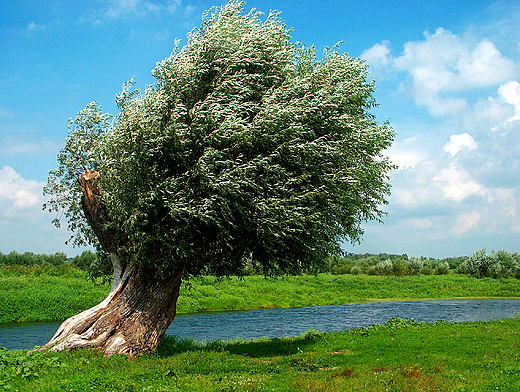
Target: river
{"points": [[291, 322]]}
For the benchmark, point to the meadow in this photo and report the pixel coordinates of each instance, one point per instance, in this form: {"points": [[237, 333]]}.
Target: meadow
{"points": [[400, 356], [53, 293]]}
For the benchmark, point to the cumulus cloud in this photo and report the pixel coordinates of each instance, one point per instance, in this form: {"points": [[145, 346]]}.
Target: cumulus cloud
{"points": [[378, 54], [16, 193], [457, 183], [510, 93], [459, 142], [406, 155], [443, 65], [459, 175], [496, 112]]}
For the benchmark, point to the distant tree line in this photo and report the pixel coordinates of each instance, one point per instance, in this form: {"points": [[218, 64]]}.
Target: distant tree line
{"points": [[96, 264], [497, 264], [30, 259], [389, 264]]}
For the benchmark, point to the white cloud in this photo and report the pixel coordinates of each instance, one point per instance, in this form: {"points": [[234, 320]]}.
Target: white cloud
{"points": [[378, 55], [510, 93], [457, 184], [447, 62], [483, 66], [443, 65], [488, 113], [23, 224], [459, 142], [496, 112], [405, 160], [17, 193], [465, 222], [405, 154], [460, 175]]}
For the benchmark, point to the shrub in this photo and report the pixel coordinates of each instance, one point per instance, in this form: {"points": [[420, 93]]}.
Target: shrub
{"points": [[415, 265], [84, 261], [495, 265], [442, 268], [340, 269], [399, 267], [505, 266], [384, 267], [356, 270], [426, 270]]}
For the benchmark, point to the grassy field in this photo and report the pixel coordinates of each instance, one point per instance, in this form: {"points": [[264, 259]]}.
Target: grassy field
{"points": [[55, 293], [46, 293], [400, 356]]}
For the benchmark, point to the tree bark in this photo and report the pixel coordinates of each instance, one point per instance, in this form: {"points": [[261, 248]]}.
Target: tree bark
{"points": [[140, 306], [131, 320]]}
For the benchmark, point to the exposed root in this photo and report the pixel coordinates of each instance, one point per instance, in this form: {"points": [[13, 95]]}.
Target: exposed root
{"points": [[131, 320]]}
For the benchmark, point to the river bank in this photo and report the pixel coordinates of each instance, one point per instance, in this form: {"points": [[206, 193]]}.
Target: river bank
{"points": [[54, 294], [400, 355], [279, 323]]}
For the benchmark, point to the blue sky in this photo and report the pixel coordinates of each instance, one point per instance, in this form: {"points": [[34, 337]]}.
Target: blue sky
{"points": [[447, 72]]}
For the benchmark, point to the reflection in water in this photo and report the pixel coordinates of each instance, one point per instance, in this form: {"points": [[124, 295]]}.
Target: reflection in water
{"points": [[290, 322]]}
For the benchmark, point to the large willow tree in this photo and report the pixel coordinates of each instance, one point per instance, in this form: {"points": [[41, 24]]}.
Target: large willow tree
{"points": [[246, 149]]}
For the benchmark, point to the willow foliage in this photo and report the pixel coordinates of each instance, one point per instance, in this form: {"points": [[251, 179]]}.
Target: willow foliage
{"points": [[246, 148]]}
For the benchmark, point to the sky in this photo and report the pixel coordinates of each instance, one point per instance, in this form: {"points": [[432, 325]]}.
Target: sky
{"points": [[447, 72]]}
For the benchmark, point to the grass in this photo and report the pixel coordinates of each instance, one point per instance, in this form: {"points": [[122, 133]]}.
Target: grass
{"points": [[55, 293], [294, 291], [400, 356], [45, 293]]}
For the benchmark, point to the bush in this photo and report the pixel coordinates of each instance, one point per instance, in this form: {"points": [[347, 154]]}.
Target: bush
{"points": [[495, 265], [442, 268], [356, 270], [415, 265], [84, 261], [341, 269], [384, 267], [506, 265], [399, 267]]}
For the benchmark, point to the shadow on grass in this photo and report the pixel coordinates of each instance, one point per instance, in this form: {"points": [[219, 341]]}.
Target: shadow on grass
{"points": [[265, 347]]}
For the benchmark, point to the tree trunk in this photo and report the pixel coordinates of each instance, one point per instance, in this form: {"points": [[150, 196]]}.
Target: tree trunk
{"points": [[131, 320], [140, 306]]}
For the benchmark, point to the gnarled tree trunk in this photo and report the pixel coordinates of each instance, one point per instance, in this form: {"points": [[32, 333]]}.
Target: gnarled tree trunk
{"points": [[137, 311], [131, 320]]}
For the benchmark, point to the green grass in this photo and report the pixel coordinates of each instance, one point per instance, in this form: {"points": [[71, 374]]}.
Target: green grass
{"points": [[294, 291], [400, 356], [46, 293], [55, 293]]}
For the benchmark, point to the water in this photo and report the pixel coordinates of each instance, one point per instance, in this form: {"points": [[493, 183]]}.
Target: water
{"points": [[291, 322]]}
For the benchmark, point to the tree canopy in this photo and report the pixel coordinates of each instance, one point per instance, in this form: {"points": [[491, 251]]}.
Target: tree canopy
{"points": [[247, 147]]}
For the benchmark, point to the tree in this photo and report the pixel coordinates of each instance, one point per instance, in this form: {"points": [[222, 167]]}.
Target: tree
{"points": [[246, 149]]}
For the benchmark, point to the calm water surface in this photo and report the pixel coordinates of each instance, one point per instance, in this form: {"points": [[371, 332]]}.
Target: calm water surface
{"points": [[291, 322]]}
